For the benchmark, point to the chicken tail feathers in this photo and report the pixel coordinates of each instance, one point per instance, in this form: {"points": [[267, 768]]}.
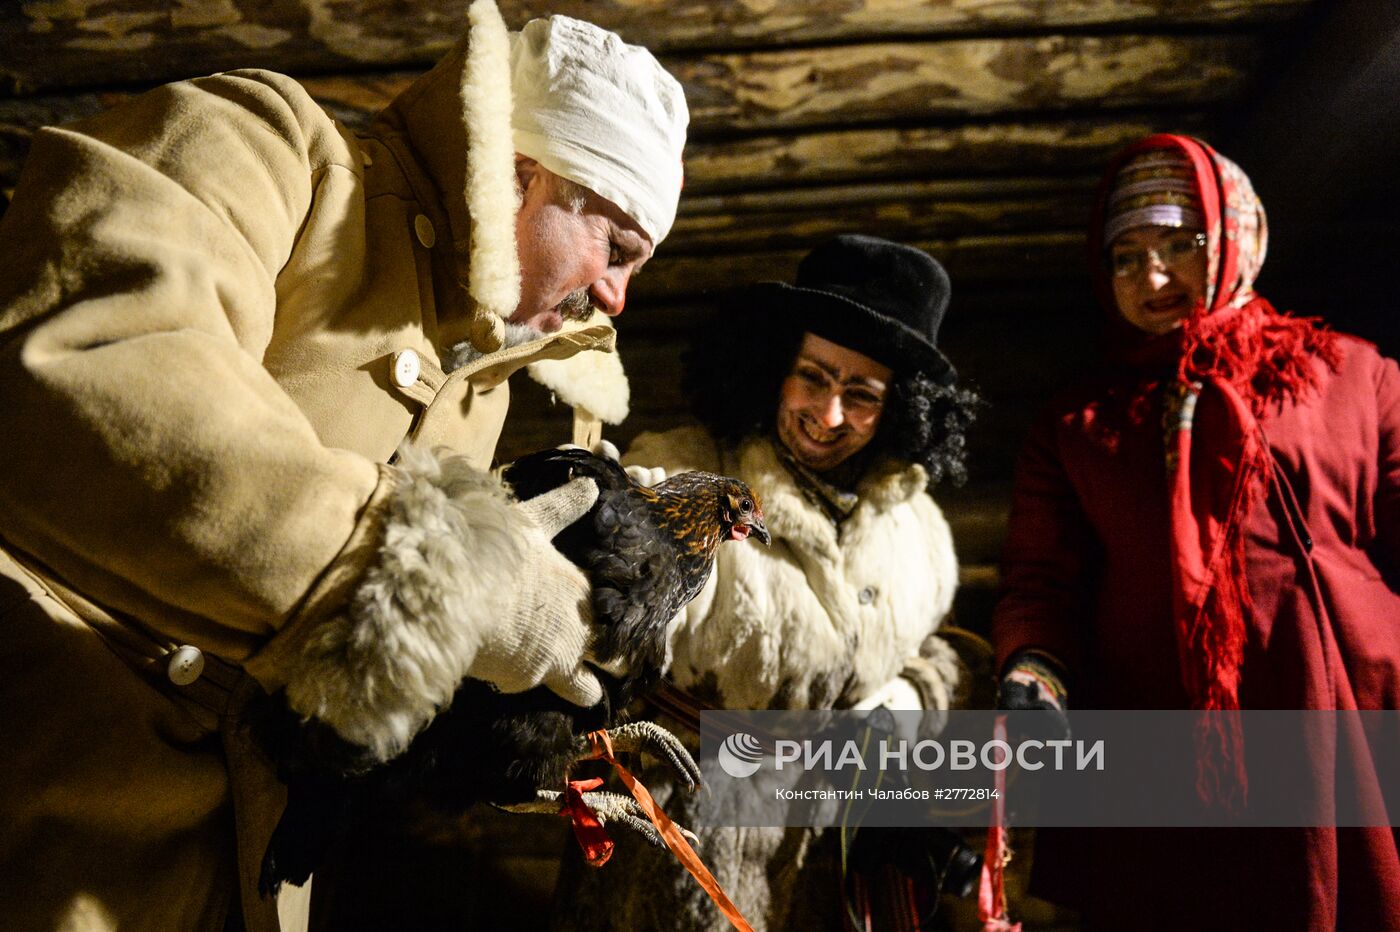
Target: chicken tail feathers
{"points": [[315, 817]]}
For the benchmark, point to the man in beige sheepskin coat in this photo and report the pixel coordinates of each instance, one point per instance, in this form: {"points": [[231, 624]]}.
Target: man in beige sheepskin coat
{"points": [[221, 315]]}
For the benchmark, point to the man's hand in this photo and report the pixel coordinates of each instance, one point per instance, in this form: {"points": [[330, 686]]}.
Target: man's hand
{"points": [[547, 632]]}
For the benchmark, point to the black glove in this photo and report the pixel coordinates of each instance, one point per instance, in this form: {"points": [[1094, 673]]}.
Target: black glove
{"points": [[1035, 681]]}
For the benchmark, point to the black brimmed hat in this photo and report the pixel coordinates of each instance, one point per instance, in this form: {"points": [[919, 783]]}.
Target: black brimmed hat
{"points": [[880, 298]]}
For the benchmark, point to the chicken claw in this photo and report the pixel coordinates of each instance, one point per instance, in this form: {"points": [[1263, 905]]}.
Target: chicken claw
{"points": [[607, 806], [655, 740]]}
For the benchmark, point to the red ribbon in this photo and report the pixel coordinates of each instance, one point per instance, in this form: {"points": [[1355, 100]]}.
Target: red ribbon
{"points": [[670, 833], [991, 895], [592, 837]]}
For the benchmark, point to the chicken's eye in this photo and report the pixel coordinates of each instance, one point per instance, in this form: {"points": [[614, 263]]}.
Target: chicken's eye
{"points": [[745, 506]]}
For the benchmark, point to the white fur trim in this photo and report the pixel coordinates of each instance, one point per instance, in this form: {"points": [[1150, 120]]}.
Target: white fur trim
{"points": [[379, 672], [494, 278], [591, 379]]}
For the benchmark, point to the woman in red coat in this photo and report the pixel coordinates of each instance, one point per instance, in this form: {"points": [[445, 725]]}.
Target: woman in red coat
{"points": [[1212, 521]]}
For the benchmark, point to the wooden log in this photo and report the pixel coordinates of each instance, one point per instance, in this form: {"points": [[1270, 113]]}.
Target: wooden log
{"points": [[763, 92], [1028, 350], [977, 514], [1032, 346], [1003, 305], [863, 84], [83, 43], [719, 166], [847, 86], [979, 575], [1039, 256], [696, 24], [1060, 146], [973, 607], [902, 211]]}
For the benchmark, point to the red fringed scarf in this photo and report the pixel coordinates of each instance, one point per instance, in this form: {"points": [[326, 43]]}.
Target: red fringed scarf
{"points": [[1239, 355]]}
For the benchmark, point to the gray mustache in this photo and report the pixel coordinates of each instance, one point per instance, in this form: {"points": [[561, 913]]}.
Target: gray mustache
{"points": [[577, 306]]}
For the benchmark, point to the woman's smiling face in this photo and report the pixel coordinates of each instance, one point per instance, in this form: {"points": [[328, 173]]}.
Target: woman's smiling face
{"points": [[1159, 276], [830, 403]]}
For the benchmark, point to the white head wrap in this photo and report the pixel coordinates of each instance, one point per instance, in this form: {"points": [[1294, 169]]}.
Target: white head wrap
{"points": [[602, 113]]}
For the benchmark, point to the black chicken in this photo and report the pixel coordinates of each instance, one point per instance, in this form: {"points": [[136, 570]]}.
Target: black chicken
{"points": [[647, 552]]}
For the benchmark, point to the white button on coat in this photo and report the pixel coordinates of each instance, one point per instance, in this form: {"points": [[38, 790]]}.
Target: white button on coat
{"points": [[406, 368], [186, 664], [867, 595], [423, 227]]}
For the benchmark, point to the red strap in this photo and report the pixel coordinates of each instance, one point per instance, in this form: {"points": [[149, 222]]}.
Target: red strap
{"points": [[602, 747], [991, 896], [589, 832]]}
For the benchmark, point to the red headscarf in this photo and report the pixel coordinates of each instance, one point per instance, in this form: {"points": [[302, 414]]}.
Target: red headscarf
{"points": [[1234, 348]]}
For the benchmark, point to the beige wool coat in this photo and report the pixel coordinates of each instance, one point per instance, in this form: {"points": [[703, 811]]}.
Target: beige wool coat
{"points": [[221, 313]]}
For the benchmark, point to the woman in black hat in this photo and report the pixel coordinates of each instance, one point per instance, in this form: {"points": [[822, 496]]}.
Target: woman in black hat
{"points": [[831, 399]]}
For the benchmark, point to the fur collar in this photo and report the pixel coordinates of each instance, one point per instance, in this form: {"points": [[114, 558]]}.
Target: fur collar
{"points": [[787, 511], [594, 381], [591, 378], [458, 120]]}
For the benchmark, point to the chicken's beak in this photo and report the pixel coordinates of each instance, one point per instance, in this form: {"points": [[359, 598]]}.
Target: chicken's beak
{"points": [[750, 526], [761, 531]]}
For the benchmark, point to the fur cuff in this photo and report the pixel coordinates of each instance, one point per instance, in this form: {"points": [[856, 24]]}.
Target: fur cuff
{"points": [[936, 674], [379, 671]]}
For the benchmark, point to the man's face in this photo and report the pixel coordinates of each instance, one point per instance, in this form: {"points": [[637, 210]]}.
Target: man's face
{"points": [[830, 403], [1159, 276], [573, 257]]}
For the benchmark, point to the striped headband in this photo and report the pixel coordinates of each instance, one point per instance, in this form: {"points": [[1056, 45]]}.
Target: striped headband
{"points": [[1155, 188]]}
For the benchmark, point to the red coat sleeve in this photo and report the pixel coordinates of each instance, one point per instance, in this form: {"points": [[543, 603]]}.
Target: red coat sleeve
{"points": [[1387, 506], [1050, 554]]}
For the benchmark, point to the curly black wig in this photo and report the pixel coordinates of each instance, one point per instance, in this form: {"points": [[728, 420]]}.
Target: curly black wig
{"points": [[733, 391]]}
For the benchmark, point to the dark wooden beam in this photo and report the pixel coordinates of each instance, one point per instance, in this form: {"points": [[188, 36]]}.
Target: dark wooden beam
{"points": [[899, 210], [701, 24], [1008, 303], [1019, 257], [82, 43], [1060, 146], [845, 86]]}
